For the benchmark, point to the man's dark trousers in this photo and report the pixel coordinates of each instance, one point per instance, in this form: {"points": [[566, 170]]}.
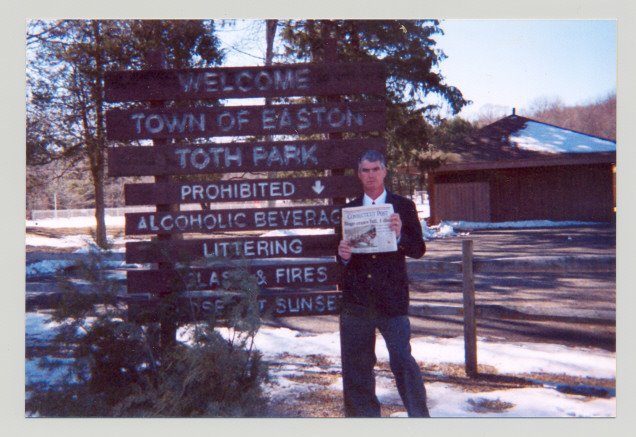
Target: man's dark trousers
{"points": [[357, 336]]}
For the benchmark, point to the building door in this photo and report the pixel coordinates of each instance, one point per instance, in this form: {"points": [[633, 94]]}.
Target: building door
{"points": [[463, 201]]}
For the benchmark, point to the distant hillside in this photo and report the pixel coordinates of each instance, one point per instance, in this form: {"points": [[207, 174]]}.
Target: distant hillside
{"points": [[598, 119]]}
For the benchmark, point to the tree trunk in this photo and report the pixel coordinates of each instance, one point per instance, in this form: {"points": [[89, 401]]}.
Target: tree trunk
{"points": [[270, 35], [100, 209], [98, 161]]}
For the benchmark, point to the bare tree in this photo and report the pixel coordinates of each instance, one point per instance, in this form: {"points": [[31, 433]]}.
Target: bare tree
{"points": [[65, 75], [597, 118]]}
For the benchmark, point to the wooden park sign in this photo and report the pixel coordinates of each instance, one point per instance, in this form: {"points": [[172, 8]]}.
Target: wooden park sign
{"points": [[240, 82], [211, 278], [181, 159], [223, 220], [139, 124], [197, 306], [242, 191], [250, 248], [302, 286]]}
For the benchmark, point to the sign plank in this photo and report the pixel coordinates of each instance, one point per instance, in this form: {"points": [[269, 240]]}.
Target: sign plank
{"points": [[241, 82], [297, 275], [232, 248], [238, 157], [200, 122], [189, 308], [242, 191], [209, 221]]}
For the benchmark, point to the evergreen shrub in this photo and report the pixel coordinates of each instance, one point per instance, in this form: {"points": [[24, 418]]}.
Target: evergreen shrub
{"points": [[118, 369]]}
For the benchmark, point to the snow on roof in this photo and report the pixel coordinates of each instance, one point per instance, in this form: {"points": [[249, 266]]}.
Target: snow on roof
{"points": [[540, 137], [515, 139]]}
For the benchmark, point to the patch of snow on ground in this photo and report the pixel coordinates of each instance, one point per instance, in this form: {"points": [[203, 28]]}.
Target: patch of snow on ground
{"points": [[51, 267], [46, 267], [75, 222], [69, 241], [443, 230], [444, 400], [294, 232], [39, 328], [515, 225], [40, 331], [83, 243], [510, 358], [449, 401]]}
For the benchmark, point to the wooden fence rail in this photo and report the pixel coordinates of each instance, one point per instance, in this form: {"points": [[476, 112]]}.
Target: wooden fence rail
{"points": [[470, 310]]}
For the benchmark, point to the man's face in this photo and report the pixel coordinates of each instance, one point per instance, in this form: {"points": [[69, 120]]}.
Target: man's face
{"points": [[371, 174]]}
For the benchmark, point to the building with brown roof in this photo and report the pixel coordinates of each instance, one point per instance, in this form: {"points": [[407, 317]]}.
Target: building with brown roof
{"points": [[521, 169]]}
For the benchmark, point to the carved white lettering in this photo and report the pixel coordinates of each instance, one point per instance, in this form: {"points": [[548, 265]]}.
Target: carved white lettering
{"points": [[304, 120], [263, 81], [137, 118], [199, 158], [175, 124], [244, 81], [295, 218], [154, 123], [237, 121], [284, 80], [268, 118], [200, 123], [284, 119], [225, 121], [189, 82], [281, 79], [211, 82], [141, 224]]}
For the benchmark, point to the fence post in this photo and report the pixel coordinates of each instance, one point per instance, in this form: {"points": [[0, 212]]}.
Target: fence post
{"points": [[470, 325]]}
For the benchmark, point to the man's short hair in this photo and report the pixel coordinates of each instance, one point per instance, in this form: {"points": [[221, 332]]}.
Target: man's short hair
{"points": [[372, 156]]}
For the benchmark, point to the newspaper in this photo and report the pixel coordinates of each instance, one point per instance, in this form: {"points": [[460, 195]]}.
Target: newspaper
{"points": [[367, 228]]}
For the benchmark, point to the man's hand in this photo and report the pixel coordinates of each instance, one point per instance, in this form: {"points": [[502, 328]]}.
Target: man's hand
{"points": [[344, 250], [395, 224]]}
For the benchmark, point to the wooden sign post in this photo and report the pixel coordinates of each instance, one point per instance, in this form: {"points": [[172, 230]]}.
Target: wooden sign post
{"points": [[301, 286]]}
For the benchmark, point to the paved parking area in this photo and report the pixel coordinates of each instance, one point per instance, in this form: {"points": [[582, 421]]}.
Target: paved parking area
{"points": [[549, 293]]}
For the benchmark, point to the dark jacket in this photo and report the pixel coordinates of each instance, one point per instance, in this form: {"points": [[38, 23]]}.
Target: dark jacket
{"points": [[379, 281]]}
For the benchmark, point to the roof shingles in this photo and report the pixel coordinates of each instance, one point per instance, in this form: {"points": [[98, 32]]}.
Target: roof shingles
{"points": [[519, 138]]}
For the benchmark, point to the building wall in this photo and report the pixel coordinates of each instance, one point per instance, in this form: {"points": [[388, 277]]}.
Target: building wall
{"points": [[464, 201], [581, 193]]}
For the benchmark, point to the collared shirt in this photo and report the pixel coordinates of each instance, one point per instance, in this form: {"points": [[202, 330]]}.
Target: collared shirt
{"points": [[381, 200]]}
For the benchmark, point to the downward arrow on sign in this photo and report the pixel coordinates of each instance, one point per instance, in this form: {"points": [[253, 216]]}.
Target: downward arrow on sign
{"points": [[318, 187]]}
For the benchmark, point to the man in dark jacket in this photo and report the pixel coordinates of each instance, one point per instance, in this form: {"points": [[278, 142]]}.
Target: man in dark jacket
{"points": [[376, 296]]}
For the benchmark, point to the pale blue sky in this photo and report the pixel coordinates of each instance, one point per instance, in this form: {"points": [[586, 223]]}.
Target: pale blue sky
{"points": [[501, 64], [512, 63]]}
